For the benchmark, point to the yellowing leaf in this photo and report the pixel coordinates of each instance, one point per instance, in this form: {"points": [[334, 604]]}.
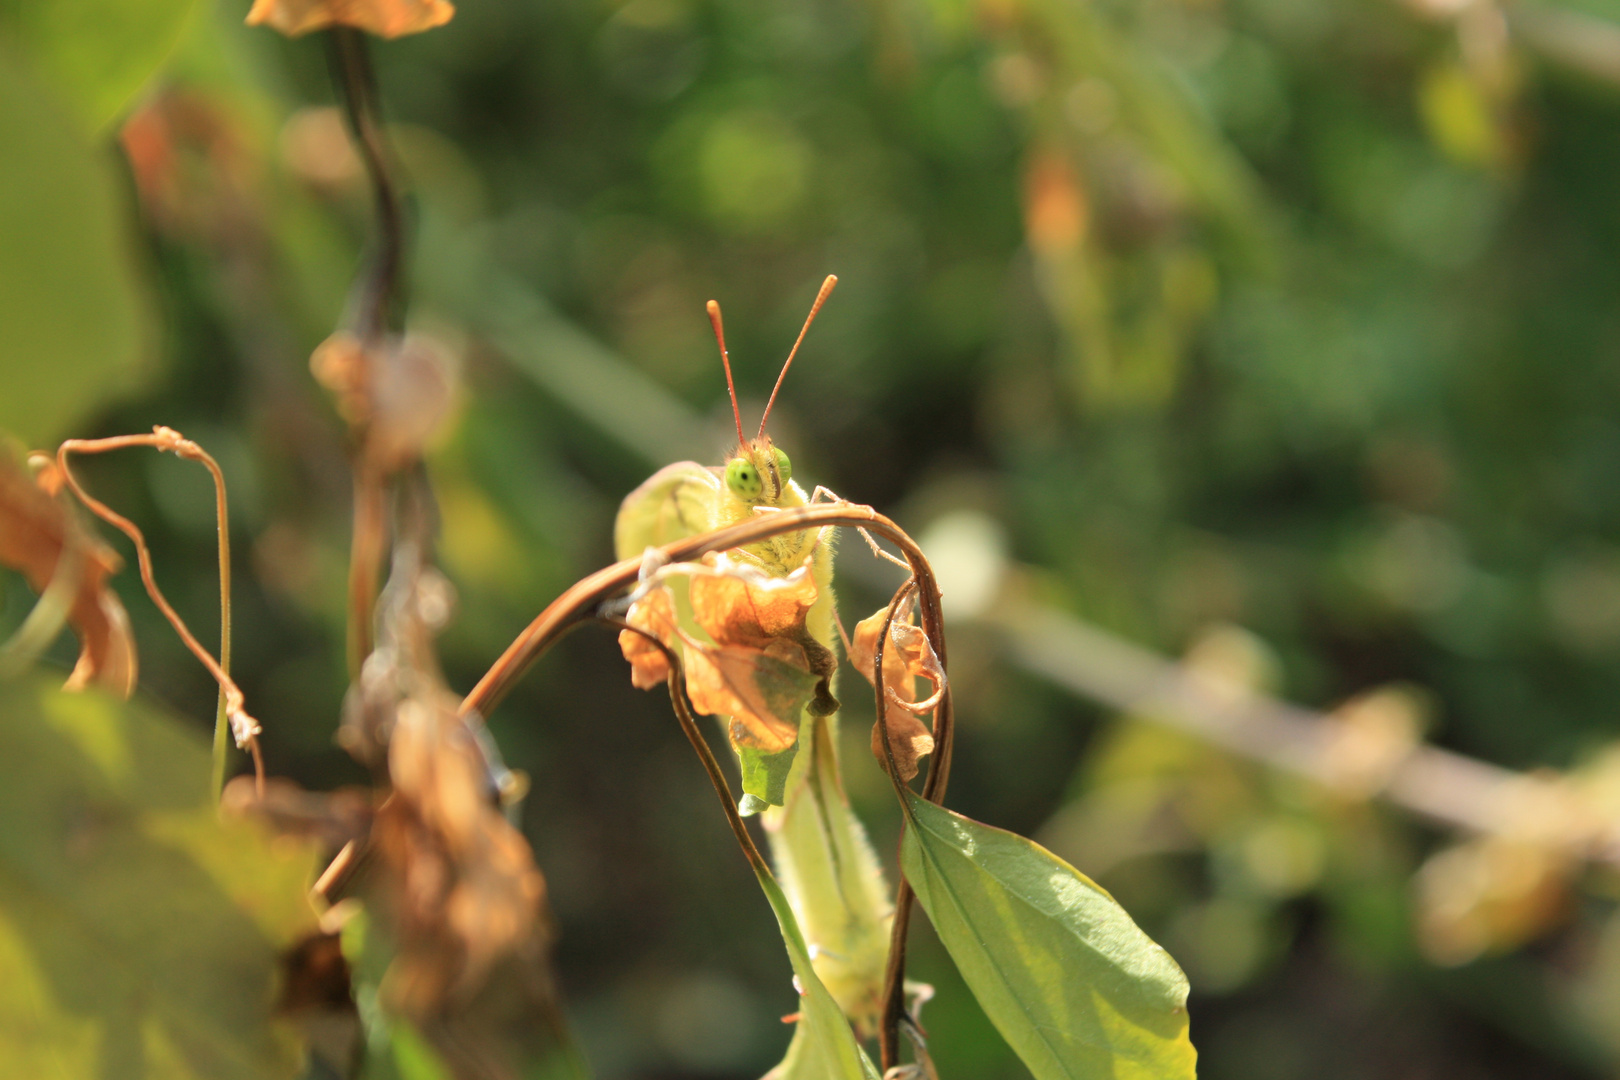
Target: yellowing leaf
{"points": [[1073, 985], [385, 18], [132, 921]]}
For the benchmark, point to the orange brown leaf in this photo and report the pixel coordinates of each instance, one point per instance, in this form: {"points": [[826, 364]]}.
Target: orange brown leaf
{"points": [[385, 18], [739, 604], [36, 532], [655, 614], [907, 657], [763, 691]]}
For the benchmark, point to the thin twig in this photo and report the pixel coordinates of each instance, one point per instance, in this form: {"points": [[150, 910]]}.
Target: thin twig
{"points": [[350, 58], [230, 712], [581, 600], [893, 1009], [1439, 785]]}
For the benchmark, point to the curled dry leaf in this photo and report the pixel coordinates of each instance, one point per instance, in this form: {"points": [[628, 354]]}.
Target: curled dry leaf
{"points": [[654, 613], [447, 884], [908, 657], [385, 18], [763, 668], [36, 532], [457, 881]]}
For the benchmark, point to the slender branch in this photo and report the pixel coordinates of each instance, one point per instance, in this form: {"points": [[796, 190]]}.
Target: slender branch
{"points": [[230, 712], [377, 303], [368, 543], [350, 59], [894, 975], [1437, 784], [581, 600]]}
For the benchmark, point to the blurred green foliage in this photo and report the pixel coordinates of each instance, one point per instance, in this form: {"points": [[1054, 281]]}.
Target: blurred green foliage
{"points": [[1294, 316]]}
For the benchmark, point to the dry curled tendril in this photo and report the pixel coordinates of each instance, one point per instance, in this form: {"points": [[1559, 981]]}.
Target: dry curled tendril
{"points": [[244, 728]]}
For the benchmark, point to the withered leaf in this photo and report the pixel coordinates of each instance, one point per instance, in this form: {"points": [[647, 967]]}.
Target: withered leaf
{"points": [[761, 690], [450, 887], [655, 614], [385, 18], [739, 604], [35, 532], [763, 667], [907, 657]]}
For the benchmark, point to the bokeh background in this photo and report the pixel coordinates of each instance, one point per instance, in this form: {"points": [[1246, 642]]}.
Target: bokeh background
{"points": [[1281, 337]]}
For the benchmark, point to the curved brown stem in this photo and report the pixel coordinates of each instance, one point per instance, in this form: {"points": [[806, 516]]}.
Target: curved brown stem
{"points": [[231, 712], [581, 600], [352, 71]]}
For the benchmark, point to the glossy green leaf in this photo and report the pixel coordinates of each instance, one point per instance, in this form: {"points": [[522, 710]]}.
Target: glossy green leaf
{"points": [[76, 322], [1072, 984], [823, 1046], [96, 54], [138, 934]]}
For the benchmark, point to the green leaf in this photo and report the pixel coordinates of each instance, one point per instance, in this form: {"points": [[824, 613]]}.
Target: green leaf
{"points": [[765, 776], [96, 54], [76, 323], [823, 1046], [138, 934], [1072, 984]]}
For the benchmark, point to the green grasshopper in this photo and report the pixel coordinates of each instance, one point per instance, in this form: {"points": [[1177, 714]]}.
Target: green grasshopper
{"points": [[820, 849]]}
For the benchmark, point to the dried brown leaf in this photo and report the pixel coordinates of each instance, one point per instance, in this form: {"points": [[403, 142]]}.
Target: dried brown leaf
{"points": [[35, 530], [396, 392], [763, 668], [739, 604], [908, 657], [763, 691], [654, 613], [385, 18]]}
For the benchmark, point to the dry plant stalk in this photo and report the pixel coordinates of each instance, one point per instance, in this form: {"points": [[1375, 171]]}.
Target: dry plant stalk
{"points": [[244, 728]]}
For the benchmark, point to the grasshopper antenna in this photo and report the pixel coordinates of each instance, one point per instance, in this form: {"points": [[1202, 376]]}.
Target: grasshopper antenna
{"points": [[720, 336], [821, 298]]}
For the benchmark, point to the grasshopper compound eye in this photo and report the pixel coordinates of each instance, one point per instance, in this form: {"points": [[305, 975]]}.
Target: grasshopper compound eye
{"points": [[743, 479]]}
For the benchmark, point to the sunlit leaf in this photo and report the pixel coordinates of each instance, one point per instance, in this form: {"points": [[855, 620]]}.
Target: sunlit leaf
{"points": [[823, 1046], [138, 933], [97, 54], [76, 322], [1072, 984], [385, 18]]}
